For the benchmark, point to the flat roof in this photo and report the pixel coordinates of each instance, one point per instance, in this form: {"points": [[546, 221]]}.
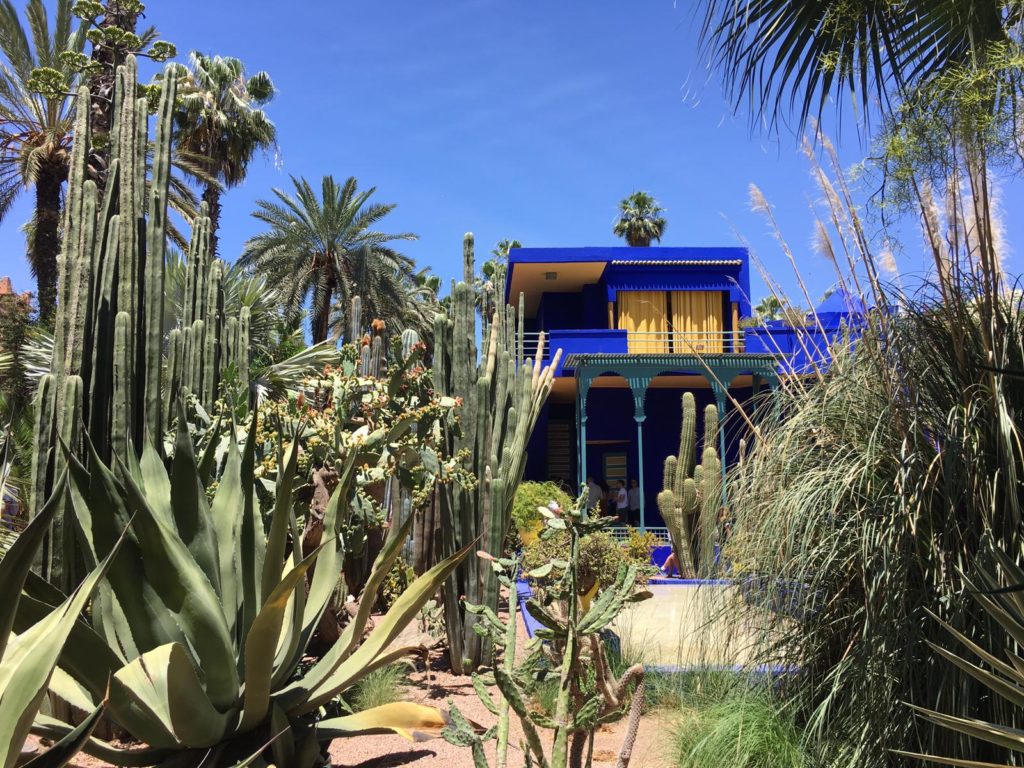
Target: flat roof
{"points": [[668, 255]]}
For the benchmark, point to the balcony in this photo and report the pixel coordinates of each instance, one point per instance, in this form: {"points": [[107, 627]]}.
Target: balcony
{"points": [[616, 341]]}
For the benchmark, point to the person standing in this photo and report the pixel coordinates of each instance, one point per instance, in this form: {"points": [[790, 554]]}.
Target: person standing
{"points": [[622, 502], [634, 502]]}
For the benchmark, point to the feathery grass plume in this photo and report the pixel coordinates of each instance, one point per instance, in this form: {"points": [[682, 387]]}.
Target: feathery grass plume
{"points": [[867, 490]]}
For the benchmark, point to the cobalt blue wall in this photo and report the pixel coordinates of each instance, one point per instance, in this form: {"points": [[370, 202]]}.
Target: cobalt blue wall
{"points": [[559, 311], [610, 413]]}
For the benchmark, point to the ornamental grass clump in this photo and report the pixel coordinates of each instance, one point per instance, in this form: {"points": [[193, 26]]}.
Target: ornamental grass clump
{"points": [[872, 482]]}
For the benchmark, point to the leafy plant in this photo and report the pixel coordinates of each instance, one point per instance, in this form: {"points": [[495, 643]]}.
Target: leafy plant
{"points": [[568, 645], [527, 522]]}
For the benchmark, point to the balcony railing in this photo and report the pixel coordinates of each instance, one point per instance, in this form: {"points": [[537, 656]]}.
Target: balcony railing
{"points": [[618, 341], [683, 342]]}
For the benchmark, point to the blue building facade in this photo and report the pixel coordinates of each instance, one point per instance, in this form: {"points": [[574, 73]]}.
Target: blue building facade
{"points": [[638, 327]]}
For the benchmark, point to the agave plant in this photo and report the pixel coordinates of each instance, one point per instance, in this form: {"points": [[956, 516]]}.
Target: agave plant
{"points": [[205, 617], [29, 657]]}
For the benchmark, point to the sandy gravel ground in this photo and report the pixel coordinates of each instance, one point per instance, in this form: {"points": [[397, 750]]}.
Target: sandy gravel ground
{"points": [[433, 687]]}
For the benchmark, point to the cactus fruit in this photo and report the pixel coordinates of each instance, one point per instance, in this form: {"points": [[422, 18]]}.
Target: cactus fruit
{"points": [[502, 395], [693, 492]]}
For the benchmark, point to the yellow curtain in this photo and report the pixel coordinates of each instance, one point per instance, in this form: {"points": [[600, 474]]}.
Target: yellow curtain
{"points": [[697, 319], [644, 315]]}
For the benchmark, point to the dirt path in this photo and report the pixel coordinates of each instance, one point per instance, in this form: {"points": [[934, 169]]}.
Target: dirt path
{"points": [[435, 687]]}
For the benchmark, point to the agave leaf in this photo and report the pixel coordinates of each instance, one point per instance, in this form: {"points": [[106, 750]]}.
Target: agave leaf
{"points": [[67, 688], [160, 699], [304, 698], [17, 563], [188, 595], [126, 612], [321, 590], [280, 521], [330, 661], [49, 728], [227, 524], [261, 644], [208, 461], [252, 538], [157, 484], [188, 499], [67, 748], [27, 666], [283, 745], [86, 656], [414, 722], [378, 573]]}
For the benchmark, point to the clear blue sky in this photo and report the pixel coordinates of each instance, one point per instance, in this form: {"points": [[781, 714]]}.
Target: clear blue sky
{"points": [[507, 118]]}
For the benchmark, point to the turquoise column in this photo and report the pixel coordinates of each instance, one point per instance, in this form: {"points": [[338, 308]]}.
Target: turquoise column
{"points": [[638, 386], [583, 379]]}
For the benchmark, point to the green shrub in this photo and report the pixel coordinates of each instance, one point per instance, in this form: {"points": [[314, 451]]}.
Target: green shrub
{"points": [[744, 730], [599, 561], [526, 521]]}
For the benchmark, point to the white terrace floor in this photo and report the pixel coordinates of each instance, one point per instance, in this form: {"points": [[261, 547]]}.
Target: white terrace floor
{"points": [[683, 625]]}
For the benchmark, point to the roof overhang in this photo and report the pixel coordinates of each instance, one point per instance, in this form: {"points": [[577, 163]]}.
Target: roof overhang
{"points": [[536, 278]]}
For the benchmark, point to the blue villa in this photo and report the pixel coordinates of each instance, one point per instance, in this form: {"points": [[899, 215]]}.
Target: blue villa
{"points": [[637, 328]]}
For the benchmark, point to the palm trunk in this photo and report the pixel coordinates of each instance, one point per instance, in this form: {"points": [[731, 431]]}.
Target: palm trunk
{"points": [[321, 317], [46, 241], [211, 196]]}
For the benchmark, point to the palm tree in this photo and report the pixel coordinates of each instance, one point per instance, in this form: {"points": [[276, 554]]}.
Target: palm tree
{"points": [[35, 129], [314, 248], [774, 52], [769, 308], [640, 220], [221, 121]]}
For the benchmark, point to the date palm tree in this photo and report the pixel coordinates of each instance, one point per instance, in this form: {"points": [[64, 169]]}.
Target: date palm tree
{"points": [[221, 121], [326, 248], [776, 54], [35, 129], [640, 220]]}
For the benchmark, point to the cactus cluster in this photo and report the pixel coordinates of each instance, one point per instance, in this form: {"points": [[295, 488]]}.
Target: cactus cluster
{"points": [[107, 368], [502, 393], [693, 491], [208, 342]]}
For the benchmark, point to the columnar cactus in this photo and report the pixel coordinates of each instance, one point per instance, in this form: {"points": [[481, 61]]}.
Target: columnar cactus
{"points": [[109, 325], [693, 491], [502, 393]]}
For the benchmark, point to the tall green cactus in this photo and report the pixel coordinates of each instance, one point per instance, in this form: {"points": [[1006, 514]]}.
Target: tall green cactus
{"points": [[693, 490], [107, 371], [502, 394]]}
